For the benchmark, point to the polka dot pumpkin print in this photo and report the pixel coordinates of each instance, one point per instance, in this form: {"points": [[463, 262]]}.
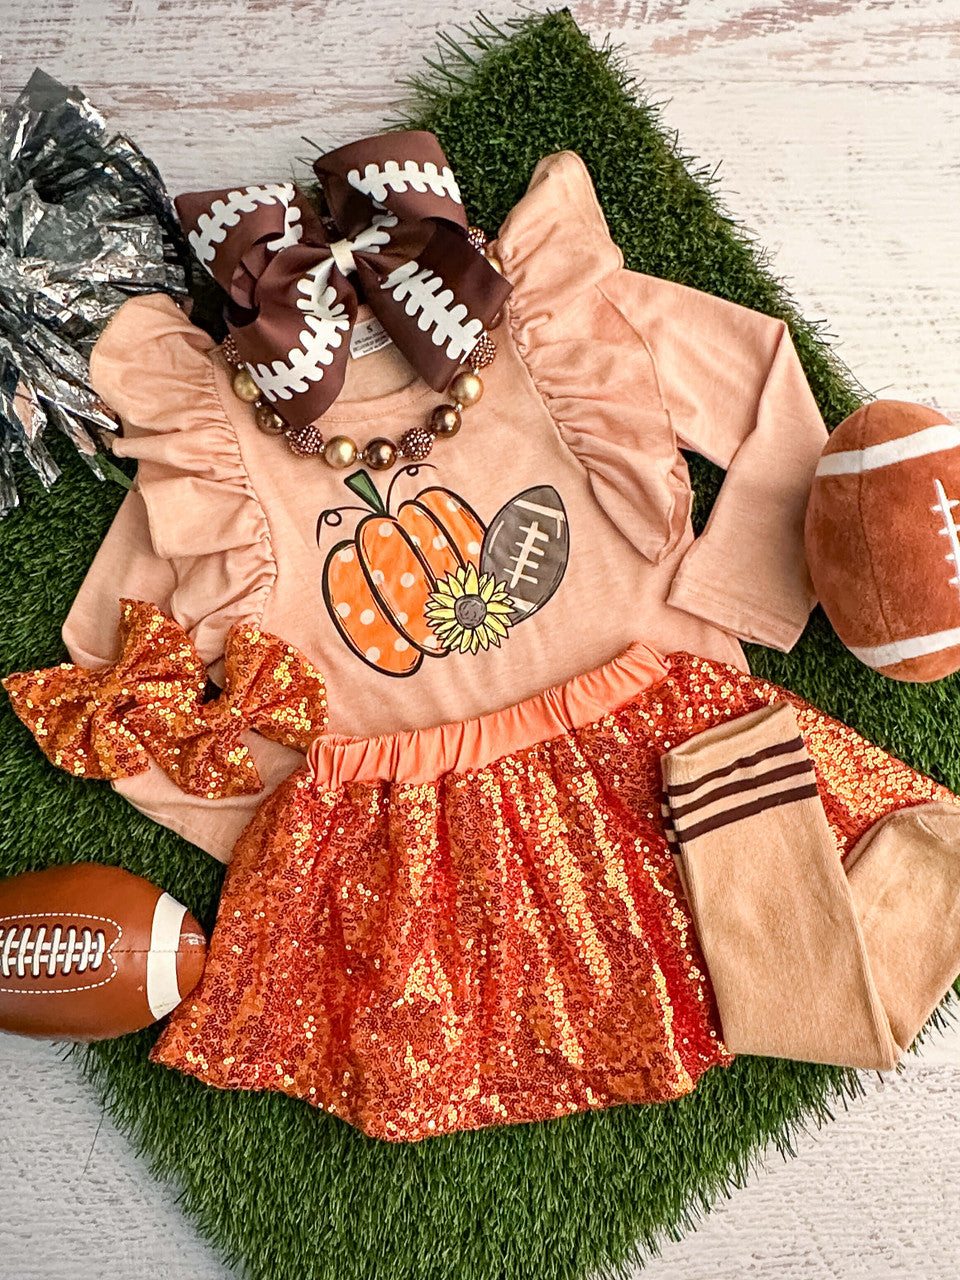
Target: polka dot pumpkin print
{"points": [[376, 584]]}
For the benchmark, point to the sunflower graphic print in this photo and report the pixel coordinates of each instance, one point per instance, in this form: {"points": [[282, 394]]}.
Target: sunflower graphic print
{"points": [[469, 610]]}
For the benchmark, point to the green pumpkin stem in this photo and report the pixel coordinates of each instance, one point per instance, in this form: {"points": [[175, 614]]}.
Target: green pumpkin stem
{"points": [[364, 488]]}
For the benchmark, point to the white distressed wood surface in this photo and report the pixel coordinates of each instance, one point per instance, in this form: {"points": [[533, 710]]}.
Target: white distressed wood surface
{"points": [[838, 127]]}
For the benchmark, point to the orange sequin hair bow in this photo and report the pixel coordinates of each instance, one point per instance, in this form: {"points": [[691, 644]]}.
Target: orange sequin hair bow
{"points": [[110, 722]]}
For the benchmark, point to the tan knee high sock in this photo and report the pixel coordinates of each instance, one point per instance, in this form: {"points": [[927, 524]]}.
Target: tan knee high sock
{"points": [[904, 876], [795, 974]]}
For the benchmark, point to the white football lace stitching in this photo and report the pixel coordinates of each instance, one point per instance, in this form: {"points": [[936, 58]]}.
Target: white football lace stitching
{"points": [[944, 507], [373, 238], [326, 321], [26, 953], [376, 182], [212, 227], [524, 567], [426, 297]]}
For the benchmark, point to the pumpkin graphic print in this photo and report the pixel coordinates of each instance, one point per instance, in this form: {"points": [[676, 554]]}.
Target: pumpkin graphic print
{"points": [[431, 579]]}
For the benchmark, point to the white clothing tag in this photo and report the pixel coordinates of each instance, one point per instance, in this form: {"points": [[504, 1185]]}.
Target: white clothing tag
{"points": [[368, 336]]}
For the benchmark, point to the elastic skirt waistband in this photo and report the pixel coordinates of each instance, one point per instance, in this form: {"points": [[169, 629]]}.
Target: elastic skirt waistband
{"points": [[423, 755]]}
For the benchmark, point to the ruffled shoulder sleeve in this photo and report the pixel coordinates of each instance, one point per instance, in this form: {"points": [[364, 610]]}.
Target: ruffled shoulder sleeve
{"points": [[556, 238], [156, 371], [632, 368], [589, 363]]}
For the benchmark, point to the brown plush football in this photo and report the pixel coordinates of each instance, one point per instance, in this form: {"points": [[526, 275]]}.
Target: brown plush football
{"points": [[882, 543], [88, 952]]}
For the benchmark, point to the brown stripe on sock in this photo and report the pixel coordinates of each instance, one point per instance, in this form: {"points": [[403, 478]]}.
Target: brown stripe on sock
{"points": [[669, 830], [743, 784], [744, 762], [747, 811]]}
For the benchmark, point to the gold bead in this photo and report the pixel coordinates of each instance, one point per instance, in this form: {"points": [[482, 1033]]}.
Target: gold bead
{"points": [[340, 451], [269, 422], [494, 262], [380, 454], [244, 386], [466, 388], [445, 420]]}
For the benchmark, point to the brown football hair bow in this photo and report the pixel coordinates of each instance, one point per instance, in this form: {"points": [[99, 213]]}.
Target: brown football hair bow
{"points": [[397, 224]]}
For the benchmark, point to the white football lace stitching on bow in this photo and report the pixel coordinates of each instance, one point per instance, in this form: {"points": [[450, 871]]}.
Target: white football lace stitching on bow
{"points": [[212, 227], [375, 182], [370, 240], [426, 297]]}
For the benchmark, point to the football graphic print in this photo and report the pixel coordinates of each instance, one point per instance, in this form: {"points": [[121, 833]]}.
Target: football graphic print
{"points": [[527, 546]]}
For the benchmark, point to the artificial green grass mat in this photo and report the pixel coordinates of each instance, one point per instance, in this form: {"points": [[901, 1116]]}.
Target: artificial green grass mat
{"points": [[287, 1193]]}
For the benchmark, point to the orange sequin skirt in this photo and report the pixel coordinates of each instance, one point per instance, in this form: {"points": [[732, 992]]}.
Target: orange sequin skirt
{"points": [[482, 923]]}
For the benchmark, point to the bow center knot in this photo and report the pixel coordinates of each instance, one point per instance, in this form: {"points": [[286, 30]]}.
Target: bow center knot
{"points": [[342, 253]]}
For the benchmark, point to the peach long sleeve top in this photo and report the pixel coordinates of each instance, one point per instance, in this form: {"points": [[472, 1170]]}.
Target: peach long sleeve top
{"points": [[537, 544]]}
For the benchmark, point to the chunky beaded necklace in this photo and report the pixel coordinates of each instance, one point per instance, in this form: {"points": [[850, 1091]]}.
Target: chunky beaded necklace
{"points": [[379, 454]]}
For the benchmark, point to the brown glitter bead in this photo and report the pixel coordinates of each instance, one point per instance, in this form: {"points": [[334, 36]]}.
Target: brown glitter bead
{"points": [[477, 237], [305, 441], [483, 353], [445, 420], [416, 443], [230, 352]]}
